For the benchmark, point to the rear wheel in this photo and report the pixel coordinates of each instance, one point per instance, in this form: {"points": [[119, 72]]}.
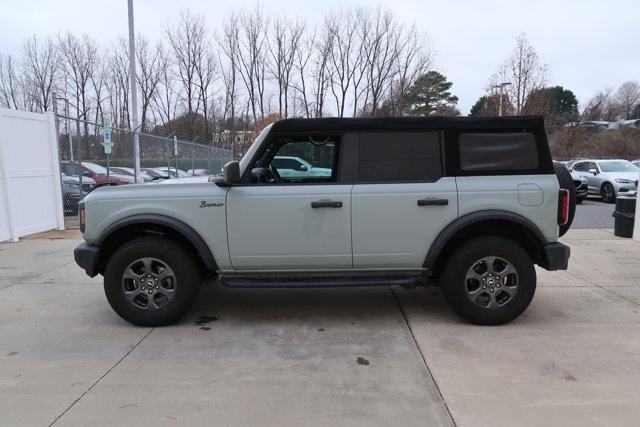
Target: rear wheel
{"points": [[151, 281], [489, 280], [607, 193]]}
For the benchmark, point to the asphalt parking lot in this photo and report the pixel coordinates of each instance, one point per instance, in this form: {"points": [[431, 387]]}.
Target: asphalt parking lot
{"points": [[376, 356], [592, 213]]}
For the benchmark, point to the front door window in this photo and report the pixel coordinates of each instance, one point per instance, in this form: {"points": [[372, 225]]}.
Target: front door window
{"points": [[297, 159]]}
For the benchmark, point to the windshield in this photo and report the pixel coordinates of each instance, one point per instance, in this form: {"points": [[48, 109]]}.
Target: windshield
{"points": [[618, 166], [95, 168], [251, 151]]}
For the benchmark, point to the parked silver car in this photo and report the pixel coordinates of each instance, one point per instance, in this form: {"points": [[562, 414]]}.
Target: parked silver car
{"points": [[609, 178]]}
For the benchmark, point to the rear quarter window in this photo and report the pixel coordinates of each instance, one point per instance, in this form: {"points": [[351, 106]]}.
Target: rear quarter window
{"points": [[496, 151], [399, 157]]}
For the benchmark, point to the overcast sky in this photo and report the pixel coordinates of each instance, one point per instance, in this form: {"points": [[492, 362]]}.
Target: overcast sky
{"points": [[588, 45]]}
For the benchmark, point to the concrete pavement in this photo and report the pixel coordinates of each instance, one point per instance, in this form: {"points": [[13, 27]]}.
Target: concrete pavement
{"points": [[374, 356]]}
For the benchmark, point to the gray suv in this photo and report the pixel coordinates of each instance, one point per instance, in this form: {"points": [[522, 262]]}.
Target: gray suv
{"points": [[473, 203]]}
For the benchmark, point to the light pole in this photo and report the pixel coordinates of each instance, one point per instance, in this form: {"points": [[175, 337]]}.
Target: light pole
{"points": [[501, 87], [134, 94]]}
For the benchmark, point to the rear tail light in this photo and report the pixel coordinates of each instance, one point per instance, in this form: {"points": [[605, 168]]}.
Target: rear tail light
{"points": [[563, 207], [81, 216]]}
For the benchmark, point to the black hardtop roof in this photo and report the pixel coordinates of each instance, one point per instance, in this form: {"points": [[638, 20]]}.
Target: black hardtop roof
{"points": [[339, 124]]}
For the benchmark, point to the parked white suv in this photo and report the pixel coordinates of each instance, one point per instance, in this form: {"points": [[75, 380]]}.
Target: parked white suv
{"points": [[473, 202], [295, 167]]}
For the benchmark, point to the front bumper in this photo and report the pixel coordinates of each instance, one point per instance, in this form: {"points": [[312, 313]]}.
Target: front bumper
{"points": [[86, 257], [582, 190], [555, 256], [626, 189]]}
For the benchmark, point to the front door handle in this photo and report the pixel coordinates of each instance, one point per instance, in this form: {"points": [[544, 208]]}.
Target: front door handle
{"points": [[433, 202], [326, 204]]}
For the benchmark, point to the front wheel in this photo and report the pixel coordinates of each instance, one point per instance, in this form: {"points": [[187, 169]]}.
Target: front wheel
{"points": [[151, 281], [489, 280], [607, 193]]}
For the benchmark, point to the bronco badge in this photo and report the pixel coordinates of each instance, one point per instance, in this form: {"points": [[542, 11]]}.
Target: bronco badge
{"points": [[204, 204]]}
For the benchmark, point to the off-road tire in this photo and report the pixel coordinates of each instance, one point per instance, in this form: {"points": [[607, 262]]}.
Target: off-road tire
{"points": [[455, 287], [566, 183], [187, 276]]}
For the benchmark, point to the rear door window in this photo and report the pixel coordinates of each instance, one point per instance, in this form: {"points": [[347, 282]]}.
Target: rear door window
{"points": [[498, 151], [399, 157]]}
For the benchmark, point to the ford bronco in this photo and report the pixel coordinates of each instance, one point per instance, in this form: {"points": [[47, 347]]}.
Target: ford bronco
{"points": [[471, 204]]}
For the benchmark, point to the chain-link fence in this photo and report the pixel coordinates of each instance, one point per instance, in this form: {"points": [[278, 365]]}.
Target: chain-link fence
{"points": [[85, 165]]}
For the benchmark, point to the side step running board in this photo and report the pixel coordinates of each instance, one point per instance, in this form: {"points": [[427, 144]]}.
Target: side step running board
{"points": [[314, 282]]}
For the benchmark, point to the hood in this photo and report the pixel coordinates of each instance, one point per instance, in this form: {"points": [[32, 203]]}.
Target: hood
{"points": [[170, 188], [187, 180]]}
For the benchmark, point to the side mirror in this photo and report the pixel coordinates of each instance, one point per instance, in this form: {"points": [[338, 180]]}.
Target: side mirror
{"points": [[230, 174], [303, 168], [593, 171]]}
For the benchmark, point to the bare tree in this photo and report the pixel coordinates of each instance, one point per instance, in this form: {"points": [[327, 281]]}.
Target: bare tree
{"points": [[229, 47], [524, 70], [186, 39], [381, 49], [321, 74], [149, 62], [283, 48], [79, 61], [11, 86], [206, 72], [595, 108], [251, 55], [199, 81], [165, 98], [100, 88], [628, 96], [40, 68], [345, 54], [118, 84], [302, 58], [414, 59]]}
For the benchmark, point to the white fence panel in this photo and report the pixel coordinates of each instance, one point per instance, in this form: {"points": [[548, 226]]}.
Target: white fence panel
{"points": [[29, 174]]}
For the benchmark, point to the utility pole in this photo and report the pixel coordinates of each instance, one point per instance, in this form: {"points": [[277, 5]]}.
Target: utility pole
{"points": [[501, 87], [134, 94]]}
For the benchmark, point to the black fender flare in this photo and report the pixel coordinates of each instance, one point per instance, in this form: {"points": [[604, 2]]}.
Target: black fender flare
{"points": [[176, 225], [474, 217]]}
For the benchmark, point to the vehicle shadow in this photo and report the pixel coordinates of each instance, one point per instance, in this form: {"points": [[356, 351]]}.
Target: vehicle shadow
{"points": [[311, 305]]}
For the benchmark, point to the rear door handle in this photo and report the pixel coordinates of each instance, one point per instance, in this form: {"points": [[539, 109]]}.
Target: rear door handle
{"points": [[326, 204], [433, 202]]}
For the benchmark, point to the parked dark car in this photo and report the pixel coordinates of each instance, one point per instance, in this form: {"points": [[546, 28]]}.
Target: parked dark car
{"points": [[73, 193], [581, 185], [96, 172]]}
